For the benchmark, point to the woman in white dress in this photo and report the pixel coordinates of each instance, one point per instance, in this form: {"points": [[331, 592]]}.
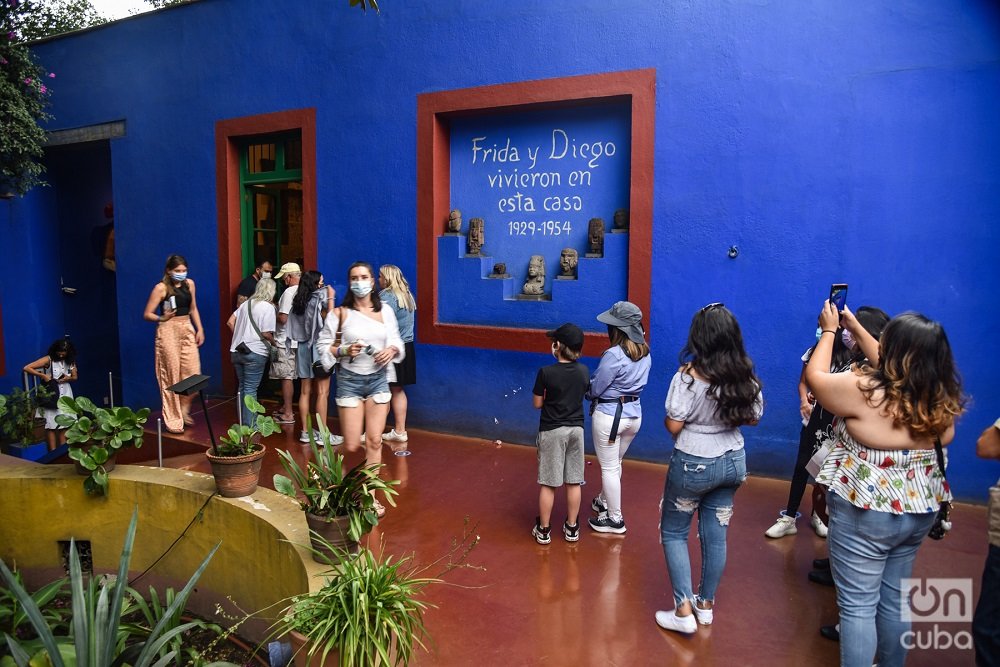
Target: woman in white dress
{"points": [[58, 364]]}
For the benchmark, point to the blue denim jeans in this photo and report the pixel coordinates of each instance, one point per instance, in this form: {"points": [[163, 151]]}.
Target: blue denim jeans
{"points": [[249, 373], [708, 486], [870, 553]]}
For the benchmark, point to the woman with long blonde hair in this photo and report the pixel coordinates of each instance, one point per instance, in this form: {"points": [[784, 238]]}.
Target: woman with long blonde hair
{"points": [[395, 293]]}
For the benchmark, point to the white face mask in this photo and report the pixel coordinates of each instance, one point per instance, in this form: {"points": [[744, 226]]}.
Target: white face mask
{"points": [[555, 350], [179, 277], [361, 287], [265, 274]]}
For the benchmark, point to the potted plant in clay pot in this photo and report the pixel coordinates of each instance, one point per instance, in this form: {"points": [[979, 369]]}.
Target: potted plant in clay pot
{"points": [[339, 504], [236, 461], [95, 435], [17, 423]]}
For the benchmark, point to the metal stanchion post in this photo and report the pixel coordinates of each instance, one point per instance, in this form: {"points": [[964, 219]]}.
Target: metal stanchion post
{"points": [[159, 441], [111, 391], [239, 407]]}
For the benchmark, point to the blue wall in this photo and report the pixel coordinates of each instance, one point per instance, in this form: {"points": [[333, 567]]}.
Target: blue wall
{"points": [[830, 141]]}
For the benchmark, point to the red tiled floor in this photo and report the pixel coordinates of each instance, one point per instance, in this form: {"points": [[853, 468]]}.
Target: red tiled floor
{"points": [[592, 603]]}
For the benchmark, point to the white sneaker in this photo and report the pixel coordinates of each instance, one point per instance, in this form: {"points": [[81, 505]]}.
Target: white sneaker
{"points": [[818, 525], [392, 436], [304, 436], [785, 525], [669, 620], [704, 616]]}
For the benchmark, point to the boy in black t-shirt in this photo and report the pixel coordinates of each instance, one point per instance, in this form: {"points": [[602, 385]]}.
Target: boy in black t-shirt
{"points": [[559, 391]]}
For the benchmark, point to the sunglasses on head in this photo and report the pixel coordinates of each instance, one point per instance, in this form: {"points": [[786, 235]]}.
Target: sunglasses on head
{"points": [[717, 304]]}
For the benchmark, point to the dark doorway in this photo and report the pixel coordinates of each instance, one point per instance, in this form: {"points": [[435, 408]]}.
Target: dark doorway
{"points": [[80, 178]]}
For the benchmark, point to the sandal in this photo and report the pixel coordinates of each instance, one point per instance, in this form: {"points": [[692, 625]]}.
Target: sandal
{"points": [[281, 419], [379, 509]]}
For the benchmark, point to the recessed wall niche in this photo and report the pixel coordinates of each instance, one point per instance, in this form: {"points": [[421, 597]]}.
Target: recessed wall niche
{"points": [[537, 162]]}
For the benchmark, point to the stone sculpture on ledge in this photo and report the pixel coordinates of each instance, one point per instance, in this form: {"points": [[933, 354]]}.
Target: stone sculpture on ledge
{"points": [[499, 271], [454, 225], [595, 238], [621, 221], [474, 244], [569, 258], [535, 284]]}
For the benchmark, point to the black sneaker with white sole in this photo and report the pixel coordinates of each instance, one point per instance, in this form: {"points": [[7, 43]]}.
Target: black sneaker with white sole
{"points": [[540, 534], [598, 505], [571, 533], [605, 524]]}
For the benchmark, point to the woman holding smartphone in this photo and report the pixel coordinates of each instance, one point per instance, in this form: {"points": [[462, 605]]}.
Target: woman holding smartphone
{"points": [[179, 334]]}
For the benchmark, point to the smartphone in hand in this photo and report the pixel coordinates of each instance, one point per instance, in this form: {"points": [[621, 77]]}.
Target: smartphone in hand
{"points": [[838, 296]]}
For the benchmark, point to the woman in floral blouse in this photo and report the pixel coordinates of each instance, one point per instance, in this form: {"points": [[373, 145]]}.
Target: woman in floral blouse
{"points": [[885, 485]]}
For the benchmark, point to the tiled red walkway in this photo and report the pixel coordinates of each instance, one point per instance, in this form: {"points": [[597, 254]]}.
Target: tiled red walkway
{"points": [[592, 603]]}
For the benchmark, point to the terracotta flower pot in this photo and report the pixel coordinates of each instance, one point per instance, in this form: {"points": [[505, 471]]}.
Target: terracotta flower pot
{"points": [[335, 532], [301, 657], [236, 476]]}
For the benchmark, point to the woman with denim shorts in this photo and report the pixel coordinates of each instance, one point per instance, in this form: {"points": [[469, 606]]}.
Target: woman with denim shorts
{"points": [[884, 472], [712, 394], [369, 342]]}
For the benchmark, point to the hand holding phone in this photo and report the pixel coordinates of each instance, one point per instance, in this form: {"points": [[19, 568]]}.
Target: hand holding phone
{"points": [[838, 296]]}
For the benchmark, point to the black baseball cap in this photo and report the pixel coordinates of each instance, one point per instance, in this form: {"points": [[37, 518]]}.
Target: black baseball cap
{"points": [[569, 335]]}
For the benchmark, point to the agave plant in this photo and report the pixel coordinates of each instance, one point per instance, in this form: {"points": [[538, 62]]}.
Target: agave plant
{"points": [[96, 623]]}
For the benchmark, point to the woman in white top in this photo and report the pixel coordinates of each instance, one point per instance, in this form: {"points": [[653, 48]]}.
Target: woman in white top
{"points": [[59, 365], [369, 342], [249, 349]]}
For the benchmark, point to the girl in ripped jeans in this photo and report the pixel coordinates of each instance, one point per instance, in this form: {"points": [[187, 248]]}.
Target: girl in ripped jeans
{"points": [[712, 394]]}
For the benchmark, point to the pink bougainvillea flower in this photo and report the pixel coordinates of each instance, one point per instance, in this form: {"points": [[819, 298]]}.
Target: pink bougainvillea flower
{"points": [[43, 89], [52, 75], [27, 81]]}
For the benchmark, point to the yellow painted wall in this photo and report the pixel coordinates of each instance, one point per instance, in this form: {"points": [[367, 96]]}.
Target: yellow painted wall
{"points": [[258, 564]]}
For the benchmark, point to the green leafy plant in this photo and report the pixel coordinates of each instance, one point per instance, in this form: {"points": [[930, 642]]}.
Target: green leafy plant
{"points": [[95, 434], [370, 608], [147, 614], [17, 414], [325, 489], [13, 617], [243, 439], [24, 98], [97, 604]]}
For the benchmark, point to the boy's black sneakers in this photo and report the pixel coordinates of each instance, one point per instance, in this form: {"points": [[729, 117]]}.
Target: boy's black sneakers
{"points": [[541, 534], [571, 533], [598, 505]]}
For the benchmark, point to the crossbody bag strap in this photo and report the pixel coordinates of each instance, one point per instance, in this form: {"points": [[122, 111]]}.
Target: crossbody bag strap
{"points": [[254, 324], [940, 457]]}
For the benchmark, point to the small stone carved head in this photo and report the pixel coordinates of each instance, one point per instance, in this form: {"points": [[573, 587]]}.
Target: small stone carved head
{"points": [[455, 221], [499, 269], [535, 284], [621, 218], [568, 260], [595, 235], [475, 241]]}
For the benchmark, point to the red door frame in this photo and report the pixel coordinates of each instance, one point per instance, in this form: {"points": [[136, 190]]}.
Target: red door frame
{"points": [[227, 189]]}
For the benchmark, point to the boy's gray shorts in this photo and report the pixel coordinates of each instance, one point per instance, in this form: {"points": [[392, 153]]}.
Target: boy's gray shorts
{"points": [[560, 456]]}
